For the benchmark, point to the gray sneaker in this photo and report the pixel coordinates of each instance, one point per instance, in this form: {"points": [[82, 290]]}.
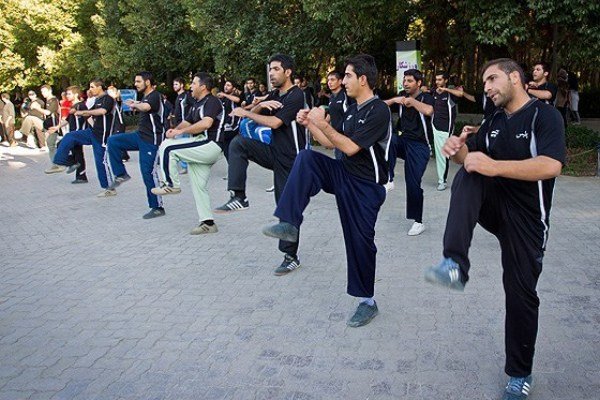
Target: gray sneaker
{"points": [[72, 168], [107, 193], [446, 273], [518, 388], [204, 228], [120, 179], [55, 169], [288, 265], [283, 231], [153, 213], [363, 315]]}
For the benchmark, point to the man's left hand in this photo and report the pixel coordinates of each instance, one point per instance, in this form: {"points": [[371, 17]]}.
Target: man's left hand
{"points": [[481, 163]]}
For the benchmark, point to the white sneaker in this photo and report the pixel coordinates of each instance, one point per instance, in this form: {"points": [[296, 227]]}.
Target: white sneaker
{"points": [[441, 186], [389, 186], [416, 229], [107, 193], [270, 189], [31, 142]]}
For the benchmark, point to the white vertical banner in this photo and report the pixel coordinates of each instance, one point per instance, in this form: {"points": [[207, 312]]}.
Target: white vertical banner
{"points": [[408, 56]]}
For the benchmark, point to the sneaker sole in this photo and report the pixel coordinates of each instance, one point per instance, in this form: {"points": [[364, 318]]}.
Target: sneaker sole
{"points": [[285, 238], [217, 211]]}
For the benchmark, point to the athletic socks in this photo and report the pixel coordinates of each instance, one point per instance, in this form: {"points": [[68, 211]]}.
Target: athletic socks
{"points": [[369, 300]]}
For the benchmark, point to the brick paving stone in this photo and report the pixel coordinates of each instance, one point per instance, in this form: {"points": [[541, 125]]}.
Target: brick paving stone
{"points": [[97, 303]]}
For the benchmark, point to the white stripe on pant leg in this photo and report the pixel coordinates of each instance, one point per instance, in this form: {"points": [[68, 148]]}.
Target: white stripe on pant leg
{"points": [[155, 178], [108, 170]]}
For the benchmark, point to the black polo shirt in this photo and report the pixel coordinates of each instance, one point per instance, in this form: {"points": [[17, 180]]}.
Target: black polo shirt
{"points": [[413, 124], [208, 106], [249, 96], [338, 105], [535, 129], [444, 111], [370, 127], [103, 124], [183, 103], [552, 88], [231, 123], [289, 138], [77, 123], [152, 128]]}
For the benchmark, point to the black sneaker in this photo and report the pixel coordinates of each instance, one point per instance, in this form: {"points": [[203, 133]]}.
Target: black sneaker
{"points": [[72, 168], [283, 231], [120, 179], [234, 204], [363, 315], [288, 265], [79, 180], [155, 212]]}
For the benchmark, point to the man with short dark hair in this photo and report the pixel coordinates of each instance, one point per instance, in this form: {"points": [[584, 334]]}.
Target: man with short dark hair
{"points": [[102, 113], [411, 143], [231, 123], [506, 185], [250, 93], [339, 102], [444, 116], [540, 87], [356, 179], [277, 112], [146, 139], [204, 122]]}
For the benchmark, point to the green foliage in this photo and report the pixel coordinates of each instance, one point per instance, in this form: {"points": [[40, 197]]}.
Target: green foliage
{"points": [[581, 137]]}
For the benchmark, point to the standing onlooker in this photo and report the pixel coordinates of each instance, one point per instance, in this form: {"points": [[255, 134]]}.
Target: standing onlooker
{"points": [[8, 120], [562, 95], [574, 97]]}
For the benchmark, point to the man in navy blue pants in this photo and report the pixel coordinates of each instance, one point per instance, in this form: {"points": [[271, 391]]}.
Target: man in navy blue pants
{"points": [[414, 123], [356, 179], [97, 136], [146, 139]]}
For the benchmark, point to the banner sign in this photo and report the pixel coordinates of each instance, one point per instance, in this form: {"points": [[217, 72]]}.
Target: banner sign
{"points": [[127, 94], [408, 56]]}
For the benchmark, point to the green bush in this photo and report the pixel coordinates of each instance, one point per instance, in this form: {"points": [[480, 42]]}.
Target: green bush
{"points": [[579, 136], [582, 153], [131, 121]]}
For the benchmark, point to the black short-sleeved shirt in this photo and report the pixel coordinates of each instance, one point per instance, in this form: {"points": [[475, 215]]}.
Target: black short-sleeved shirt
{"points": [[53, 106], [412, 123], [289, 138], [231, 123], [338, 105], [444, 111], [370, 127], [249, 96], [535, 129], [152, 128], [77, 123], [208, 106], [103, 124], [183, 103], [552, 88]]}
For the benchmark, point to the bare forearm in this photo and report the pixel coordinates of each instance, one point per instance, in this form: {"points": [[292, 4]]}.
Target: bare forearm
{"points": [[540, 94], [339, 141], [533, 169], [459, 157], [265, 120]]}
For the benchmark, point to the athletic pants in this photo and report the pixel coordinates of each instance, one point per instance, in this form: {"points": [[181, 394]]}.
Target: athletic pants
{"points": [[442, 163], [30, 122], [85, 137], [478, 199], [78, 157], [415, 155], [122, 142], [227, 138], [358, 202], [242, 150], [200, 154]]}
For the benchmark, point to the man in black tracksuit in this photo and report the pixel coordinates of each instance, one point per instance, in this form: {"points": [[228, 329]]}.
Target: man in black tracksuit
{"points": [[506, 186]]}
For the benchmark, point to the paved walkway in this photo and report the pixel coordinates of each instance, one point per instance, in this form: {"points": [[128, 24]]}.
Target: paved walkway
{"points": [[96, 303]]}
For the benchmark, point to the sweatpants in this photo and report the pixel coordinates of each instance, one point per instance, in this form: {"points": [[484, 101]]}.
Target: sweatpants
{"points": [[241, 151], [442, 163], [415, 155], [122, 142], [78, 157], [358, 201], [85, 137], [200, 154], [227, 138], [479, 199]]}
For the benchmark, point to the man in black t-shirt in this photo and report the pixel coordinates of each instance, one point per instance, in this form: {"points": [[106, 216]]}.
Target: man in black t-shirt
{"points": [[102, 112], [277, 112], [231, 122], [146, 140], [250, 93], [73, 123], [506, 185], [411, 143], [356, 179], [183, 102], [444, 116], [204, 122], [540, 87], [339, 101]]}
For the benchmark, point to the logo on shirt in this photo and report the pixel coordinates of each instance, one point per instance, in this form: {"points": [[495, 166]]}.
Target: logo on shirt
{"points": [[361, 121], [522, 135], [349, 117], [495, 133]]}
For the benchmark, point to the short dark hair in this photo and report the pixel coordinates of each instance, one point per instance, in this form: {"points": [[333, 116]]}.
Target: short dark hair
{"points": [[251, 79], [98, 82], [206, 80], [180, 80], [364, 64], [545, 66], [286, 61], [444, 74], [506, 65], [337, 74], [147, 76], [415, 73]]}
